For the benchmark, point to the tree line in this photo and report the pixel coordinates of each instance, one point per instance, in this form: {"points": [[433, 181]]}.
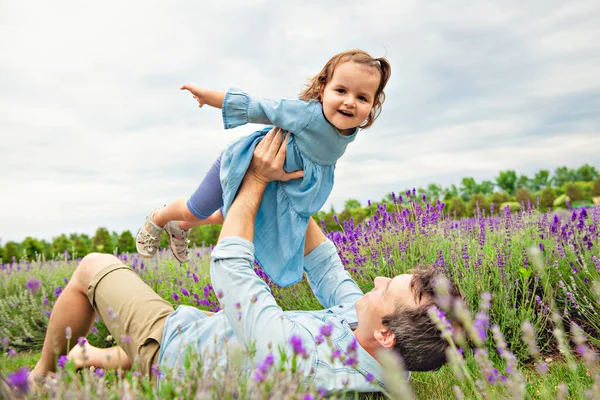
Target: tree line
{"points": [[574, 187]]}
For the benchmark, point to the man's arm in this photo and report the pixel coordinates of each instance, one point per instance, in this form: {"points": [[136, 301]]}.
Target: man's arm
{"points": [[328, 279]]}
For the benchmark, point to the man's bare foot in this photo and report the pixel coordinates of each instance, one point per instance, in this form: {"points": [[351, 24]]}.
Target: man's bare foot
{"points": [[80, 355]]}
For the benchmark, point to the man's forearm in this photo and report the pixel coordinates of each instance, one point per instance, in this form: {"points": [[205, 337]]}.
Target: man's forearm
{"points": [[242, 213]]}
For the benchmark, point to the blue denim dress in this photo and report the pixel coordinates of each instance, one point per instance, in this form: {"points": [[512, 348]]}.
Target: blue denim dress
{"points": [[314, 146]]}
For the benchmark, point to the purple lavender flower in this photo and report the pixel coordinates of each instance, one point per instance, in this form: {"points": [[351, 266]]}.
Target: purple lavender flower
{"points": [[309, 396], [156, 371], [12, 353], [5, 341], [195, 277], [100, 372], [326, 330], [263, 368], [57, 291], [319, 339], [175, 296], [33, 284], [62, 362], [369, 377], [81, 341], [296, 342], [18, 380], [184, 291]]}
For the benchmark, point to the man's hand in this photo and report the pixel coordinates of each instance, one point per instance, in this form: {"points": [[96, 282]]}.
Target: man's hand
{"points": [[269, 157]]}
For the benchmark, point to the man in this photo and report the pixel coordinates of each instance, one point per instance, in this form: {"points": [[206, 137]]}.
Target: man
{"points": [[392, 315]]}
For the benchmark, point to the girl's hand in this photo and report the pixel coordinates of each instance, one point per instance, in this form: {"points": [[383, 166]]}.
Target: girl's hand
{"points": [[197, 92]]}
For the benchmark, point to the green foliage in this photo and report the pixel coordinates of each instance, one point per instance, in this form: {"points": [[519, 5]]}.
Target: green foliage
{"points": [[507, 181], [540, 181], [457, 208], [32, 248], [574, 191], [561, 201], [11, 251], [523, 182], [512, 205], [524, 196], [547, 198], [60, 244], [477, 200], [101, 242], [24, 323], [596, 188], [126, 242], [497, 199], [587, 173]]}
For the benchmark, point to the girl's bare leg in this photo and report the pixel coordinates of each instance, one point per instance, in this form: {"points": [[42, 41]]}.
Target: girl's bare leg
{"points": [[111, 358], [178, 210], [215, 219]]}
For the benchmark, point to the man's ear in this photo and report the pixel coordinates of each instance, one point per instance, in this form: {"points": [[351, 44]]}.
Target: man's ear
{"points": [[385, 337]]}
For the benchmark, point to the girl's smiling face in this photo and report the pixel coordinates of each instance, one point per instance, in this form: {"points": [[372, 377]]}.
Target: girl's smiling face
{"points": [[349, 96]]}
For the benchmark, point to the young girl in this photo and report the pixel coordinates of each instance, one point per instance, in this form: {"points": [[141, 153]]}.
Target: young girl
{"points": [[346, 95]]}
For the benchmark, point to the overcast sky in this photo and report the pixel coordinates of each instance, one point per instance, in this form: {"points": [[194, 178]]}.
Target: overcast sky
{"points": [[95, 131]]}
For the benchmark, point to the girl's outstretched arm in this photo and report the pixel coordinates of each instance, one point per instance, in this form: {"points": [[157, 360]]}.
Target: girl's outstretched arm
{"points": [[213, 98]]}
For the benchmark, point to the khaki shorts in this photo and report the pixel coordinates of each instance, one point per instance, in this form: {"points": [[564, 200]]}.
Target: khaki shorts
{"points": [[134, 314]]}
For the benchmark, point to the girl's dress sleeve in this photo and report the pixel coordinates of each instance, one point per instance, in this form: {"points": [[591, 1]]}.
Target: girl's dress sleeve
{"points": [[240, 108]]}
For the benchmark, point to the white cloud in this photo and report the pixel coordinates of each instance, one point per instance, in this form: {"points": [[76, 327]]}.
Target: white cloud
{"points": [[95, 131]]}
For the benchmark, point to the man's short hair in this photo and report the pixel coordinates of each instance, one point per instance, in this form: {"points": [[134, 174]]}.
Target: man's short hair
{"points": [[418, 340]]}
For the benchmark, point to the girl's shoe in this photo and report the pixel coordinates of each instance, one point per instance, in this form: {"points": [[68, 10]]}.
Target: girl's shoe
{"points": [[148, 240], [179, 241]]}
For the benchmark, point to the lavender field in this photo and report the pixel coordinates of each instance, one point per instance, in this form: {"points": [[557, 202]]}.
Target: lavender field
{"points": [[531, 280]]}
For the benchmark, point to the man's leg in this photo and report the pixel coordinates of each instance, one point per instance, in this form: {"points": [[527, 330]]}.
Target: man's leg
{"points": [[134, 314], [72, 309], [108, 359]]}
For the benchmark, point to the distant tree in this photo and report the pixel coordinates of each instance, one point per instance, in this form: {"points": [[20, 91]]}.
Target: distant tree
{"points": [[60, 244], [541, 180], [11, 250], [450, 192], [586, 173], [523, 182], [574, 192], [126, 243], [101, 241], [468, 186], [547, 197], [596, 187], [477, 200], [525, 197], [1, 253], [32, 248], [563, 175], [351, 204], [457, 206], [433, 192], [81, 247], [497, 199], [507, 181], [486, 187]]}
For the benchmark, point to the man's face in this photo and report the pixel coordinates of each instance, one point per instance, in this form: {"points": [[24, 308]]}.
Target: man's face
{"points": [[386, 296]]}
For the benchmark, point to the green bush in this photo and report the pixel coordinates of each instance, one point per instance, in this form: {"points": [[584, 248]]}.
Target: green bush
{"points": [[561, 201], [547, 197], [457, 206], [477, 200], [497, 199], [596, 188], [513, 205], [524, 196]]}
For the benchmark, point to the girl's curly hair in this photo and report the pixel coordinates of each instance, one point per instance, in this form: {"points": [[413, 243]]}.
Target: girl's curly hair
{"points": [[315, 85]]}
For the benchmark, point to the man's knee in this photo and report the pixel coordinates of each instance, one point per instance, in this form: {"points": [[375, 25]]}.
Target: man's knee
{"points": [[90, 265]]}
